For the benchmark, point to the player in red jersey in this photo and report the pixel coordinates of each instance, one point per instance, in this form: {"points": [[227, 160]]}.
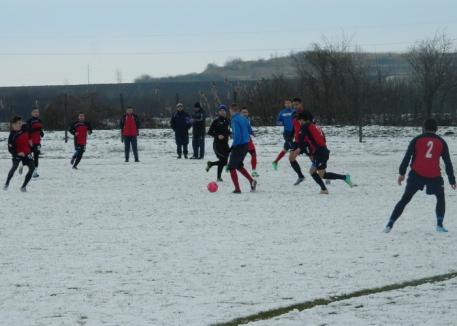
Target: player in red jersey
{"points": [[424, 152], [80, 130], [20, 147], [312, 140], [295, 149]]}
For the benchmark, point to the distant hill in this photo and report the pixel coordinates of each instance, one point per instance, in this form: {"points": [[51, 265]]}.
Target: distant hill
{"points": [[237, 69]]}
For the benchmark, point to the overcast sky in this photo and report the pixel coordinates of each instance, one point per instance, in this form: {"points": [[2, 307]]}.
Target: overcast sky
{"points": [[54, 41]]}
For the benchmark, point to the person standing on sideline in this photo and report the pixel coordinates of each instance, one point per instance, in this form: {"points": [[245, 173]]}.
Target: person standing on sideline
{"points": [[80, 130], [20, 147], [198, 131], [35, 128], [220, 130], [424, 153], [130, 126], [181, 123], [285, 120], [240, 145]]}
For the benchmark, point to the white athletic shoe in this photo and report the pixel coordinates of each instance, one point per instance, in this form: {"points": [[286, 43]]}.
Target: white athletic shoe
{"points": [[387, 229], [441, 229]]}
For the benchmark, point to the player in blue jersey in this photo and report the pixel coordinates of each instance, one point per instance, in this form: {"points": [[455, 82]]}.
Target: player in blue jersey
{"points": [[285, 119]]}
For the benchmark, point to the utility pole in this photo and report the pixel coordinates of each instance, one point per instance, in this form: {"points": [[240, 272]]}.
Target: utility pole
{"points": [[65, 104]]}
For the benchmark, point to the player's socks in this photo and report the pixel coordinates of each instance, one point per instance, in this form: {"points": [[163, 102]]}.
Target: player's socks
{"points": [[334, 176], [254, 162], [275, 165], [246, 174], [319, 181], [208, 166], [279, 157], [297, 169], [234, 177]]}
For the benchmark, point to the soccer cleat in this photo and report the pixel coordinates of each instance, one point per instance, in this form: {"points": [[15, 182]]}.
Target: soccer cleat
{"points": [[255, 174], [299, 180], [179, 157], [35, 174], [5, 187], [324, 192], [348, 181], [441, 229], [185, 156], [219, 180], [23, 189], [75, 168], [21, 169], [236, 192], [253, 185], [387, 229], [275, 166], [208, 166], [137, 161]]}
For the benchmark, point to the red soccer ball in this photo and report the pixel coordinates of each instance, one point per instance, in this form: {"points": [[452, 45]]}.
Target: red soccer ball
{"points": [[212, 186]]}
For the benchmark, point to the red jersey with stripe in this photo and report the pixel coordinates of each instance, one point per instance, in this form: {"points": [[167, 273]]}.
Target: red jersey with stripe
{"points": [[35, 129], [313, 136], [80, 130], [19, 142]]}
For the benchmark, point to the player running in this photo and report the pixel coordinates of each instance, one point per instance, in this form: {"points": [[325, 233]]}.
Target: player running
{"points": [[285, 119], [241, 131], [35, 128], [251, 148], [295, 147], [20, 147], [312, 140], [424, 153], [80, 129], [220, 130]]}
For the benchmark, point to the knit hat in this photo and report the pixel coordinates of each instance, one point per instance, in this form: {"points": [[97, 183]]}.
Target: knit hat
{"points": [[222, 107]]}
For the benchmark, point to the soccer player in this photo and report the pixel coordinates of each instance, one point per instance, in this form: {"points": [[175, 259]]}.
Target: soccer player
{"points": [[130, 127], [424, 152], [285, 120], [220, 130], [180, 123], [80, 130], [35, 128], [295, 150], [20, 147], [313, 138], [240, 135], [251, 148]]}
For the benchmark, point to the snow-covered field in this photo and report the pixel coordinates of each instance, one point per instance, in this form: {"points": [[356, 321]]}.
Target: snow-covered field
{"points": [[147, 244]]}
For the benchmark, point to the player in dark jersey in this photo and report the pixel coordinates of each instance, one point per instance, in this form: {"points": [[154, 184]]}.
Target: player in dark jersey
{"points": [[424, 152], [312, 139], [20, 147], [80, 129], [35, 128], [220, 130], [295, 149]]}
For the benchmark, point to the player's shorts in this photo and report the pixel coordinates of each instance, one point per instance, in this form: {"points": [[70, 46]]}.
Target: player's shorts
{"points": [[80, 148], [26, 160], [320, 158], [237, 156], [288, 140], [416, 182]]}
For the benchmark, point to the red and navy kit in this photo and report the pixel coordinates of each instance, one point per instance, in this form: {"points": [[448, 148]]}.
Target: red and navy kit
{"points": [[314, 143], [19, 142], [130, 125], [424, 152], [80, 130], [35, 127]]}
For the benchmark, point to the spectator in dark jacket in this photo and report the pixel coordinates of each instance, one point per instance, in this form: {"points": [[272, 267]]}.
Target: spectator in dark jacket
{"points": [[130, 127], [198, 131], [181, 123]]}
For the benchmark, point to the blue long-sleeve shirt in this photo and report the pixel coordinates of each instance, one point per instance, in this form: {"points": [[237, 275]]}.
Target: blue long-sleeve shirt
{"points": [[285, 119], [241, 130]]}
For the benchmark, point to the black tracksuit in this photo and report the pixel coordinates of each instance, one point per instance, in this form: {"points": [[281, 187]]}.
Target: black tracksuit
{"points": [[220, 127], [198, 133]]}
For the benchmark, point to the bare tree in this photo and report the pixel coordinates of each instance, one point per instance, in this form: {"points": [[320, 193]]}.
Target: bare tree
{"points": [[434, 70]]}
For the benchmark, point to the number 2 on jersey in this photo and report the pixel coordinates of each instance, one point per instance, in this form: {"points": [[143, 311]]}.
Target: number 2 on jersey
{"points": [[428, 154]]}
